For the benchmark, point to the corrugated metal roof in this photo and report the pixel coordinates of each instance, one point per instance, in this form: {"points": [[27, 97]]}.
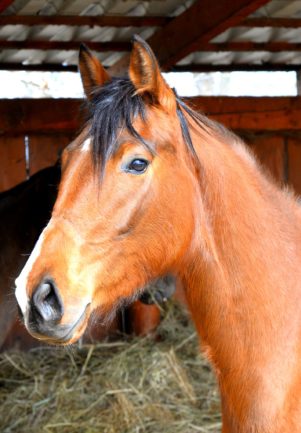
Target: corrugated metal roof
{"points": [[83, 33], [169, 8]]}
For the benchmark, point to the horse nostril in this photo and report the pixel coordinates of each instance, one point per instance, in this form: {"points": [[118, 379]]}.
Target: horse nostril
{"points": [[46, 303]]}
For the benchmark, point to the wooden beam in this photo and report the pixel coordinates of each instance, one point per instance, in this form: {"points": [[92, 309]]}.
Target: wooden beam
{"points": [[124, 21], [53, 116], [252, 113], [126, 46], [192, 67], [80, 20], [4, 4], [290, 23], [64, 46], [43, 67], [204, 20], [25, 116], [273, 47], [233, 67], [199, 24]]}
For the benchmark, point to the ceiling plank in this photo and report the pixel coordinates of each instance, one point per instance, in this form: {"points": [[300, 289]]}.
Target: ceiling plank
{"points": [[292, 23], [91, 21], [63, 45], [204, 20], [273, 47], [4, 4]]}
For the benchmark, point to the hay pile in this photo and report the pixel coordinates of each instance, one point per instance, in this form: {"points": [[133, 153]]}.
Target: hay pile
{"points": [[128, 386]]}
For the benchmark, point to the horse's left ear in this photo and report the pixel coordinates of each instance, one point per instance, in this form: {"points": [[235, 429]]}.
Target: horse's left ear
{"points": [[146, 76], [92, 73]]}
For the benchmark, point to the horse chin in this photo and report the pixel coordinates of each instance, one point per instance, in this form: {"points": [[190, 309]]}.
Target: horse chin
{"points": [[75, 337]]}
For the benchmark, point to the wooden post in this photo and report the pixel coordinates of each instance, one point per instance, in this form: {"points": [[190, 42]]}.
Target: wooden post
{"points": [[298, 74]]}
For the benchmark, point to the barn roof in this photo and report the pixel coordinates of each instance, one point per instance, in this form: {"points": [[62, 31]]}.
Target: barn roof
{"points": [[200, 35]]}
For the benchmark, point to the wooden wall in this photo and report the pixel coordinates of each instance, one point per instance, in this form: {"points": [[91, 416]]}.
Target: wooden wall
{"points": [[43, 151], [272, 127], [46, 126]]}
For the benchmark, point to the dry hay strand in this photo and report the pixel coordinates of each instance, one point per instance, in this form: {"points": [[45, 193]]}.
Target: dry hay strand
{"points": [[134, 385]]}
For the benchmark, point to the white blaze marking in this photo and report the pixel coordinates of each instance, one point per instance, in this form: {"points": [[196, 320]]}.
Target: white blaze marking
{"points": [[86, 145], [21, 281]]}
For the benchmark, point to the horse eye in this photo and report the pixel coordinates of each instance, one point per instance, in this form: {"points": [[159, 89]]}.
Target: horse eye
{"points": [[137, 165]]}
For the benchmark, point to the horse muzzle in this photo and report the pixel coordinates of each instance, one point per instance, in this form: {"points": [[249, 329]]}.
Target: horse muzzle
{"points": [[43, 318]]}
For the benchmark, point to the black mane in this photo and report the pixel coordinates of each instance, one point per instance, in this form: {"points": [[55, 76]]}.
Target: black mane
{"points": [[114, 107]]}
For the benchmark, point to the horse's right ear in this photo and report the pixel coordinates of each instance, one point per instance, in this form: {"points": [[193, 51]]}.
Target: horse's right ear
{"points": [[92, 73], [145, 74]]}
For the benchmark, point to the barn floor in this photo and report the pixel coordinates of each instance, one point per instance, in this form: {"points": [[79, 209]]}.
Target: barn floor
{"points": [[127, 386]]}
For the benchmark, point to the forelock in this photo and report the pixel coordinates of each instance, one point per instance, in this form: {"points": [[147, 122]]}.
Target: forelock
{"points": [[113, 109]]}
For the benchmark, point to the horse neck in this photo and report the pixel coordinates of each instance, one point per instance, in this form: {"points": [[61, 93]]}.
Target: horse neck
{"points": [[242, 275]]}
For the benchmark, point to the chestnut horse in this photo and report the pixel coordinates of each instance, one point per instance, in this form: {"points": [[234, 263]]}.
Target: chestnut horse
{"points": [[150, 187]]}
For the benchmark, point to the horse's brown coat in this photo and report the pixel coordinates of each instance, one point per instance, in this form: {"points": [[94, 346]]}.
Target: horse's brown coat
{"points": [[230, 235]]}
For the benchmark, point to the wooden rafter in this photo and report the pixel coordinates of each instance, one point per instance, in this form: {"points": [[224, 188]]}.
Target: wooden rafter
{"points": [[4, 4], [204, 20], [292, 23], [62, 45], [79, 20], [43, 67], [273, 47], [126, 46], [191, 67]]}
